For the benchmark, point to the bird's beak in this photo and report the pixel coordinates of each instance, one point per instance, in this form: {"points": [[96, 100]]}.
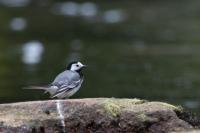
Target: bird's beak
{"points": [[84, 66]]}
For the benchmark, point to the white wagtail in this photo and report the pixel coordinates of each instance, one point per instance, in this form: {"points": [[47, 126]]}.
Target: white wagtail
{"points": [[66, 83]]}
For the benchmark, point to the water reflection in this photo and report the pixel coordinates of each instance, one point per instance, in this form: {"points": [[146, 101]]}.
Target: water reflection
{"points": [[88, 9], [18, 24], [32, 52], [15, 3], [66, 8], [192, 104], [114, 16]]}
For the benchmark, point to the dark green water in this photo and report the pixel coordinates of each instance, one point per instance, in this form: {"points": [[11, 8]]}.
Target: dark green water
{"points": [[143, 49]]}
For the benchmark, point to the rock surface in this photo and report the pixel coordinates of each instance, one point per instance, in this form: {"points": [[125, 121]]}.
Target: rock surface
{"points": [[100, 115]]}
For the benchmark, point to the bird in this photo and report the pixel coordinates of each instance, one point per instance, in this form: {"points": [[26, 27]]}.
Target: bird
{"points": [[65, 84]]}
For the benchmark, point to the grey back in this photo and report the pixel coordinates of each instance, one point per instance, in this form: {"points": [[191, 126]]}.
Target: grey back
{"points": [[66, 78]]}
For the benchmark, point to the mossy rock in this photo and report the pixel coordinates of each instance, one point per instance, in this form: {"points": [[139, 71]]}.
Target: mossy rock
{"points": [[104, 115]]}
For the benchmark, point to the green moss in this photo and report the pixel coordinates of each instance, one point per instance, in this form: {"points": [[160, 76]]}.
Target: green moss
{"points": [[112, 108], [179, 108], [142, 117], [134, 101], [171, 106]]}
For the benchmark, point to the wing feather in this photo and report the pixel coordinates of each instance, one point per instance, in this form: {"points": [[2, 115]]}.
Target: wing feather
{"points": [[65, 82]]}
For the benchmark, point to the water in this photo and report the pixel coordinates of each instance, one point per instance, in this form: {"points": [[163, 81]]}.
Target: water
{"points": [[143, 49]]}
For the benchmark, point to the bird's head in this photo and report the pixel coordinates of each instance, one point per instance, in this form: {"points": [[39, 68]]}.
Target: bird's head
{"points": [[75, 66]]}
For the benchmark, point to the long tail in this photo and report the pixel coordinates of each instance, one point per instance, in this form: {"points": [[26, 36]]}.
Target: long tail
{"points": [[36, 87], [46, 88]]}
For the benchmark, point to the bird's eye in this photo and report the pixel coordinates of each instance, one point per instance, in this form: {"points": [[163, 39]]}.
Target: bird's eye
{"points": [[77, 65]]}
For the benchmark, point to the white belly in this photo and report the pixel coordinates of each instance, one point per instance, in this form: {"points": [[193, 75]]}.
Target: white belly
{"points": [[73, 91]]}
